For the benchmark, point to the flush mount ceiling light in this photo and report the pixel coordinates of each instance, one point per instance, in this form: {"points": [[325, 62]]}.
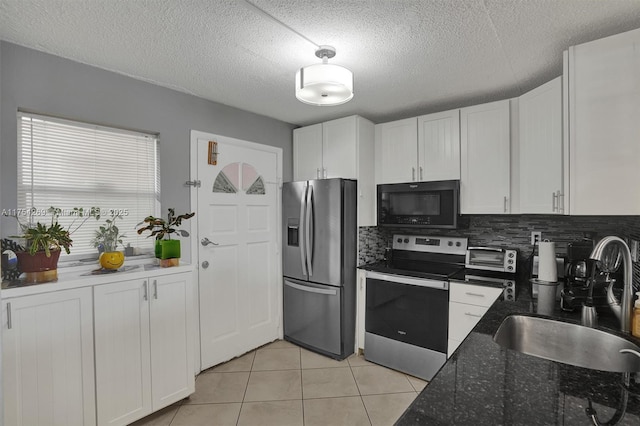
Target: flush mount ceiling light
{"points": [[324, 84]]}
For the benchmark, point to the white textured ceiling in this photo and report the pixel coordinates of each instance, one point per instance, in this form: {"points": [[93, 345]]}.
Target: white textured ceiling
{"points": [[408, 57]]}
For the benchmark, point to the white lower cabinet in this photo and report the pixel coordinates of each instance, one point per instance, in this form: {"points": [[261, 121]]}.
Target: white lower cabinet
{"points": [[467, 305], [144, 346], [47, 359]]}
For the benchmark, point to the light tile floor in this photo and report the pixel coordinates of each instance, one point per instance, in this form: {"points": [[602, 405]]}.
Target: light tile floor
{"points": [[281, 384]]}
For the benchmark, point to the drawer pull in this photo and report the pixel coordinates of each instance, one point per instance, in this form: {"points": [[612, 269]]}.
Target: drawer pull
{"points": [[475, 294], [469, 314]]}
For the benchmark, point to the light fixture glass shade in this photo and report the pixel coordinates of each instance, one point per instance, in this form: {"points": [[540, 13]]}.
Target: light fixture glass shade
{"points": [[324, 85]]}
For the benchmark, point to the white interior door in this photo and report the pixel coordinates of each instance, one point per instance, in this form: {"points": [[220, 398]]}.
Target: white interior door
{"points": [[238, 209]]}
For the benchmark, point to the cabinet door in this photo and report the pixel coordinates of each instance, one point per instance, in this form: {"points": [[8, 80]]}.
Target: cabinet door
{"points": [[397, 151], [339, 148], [604, 107], [439, 146], [123, 362], [485, 159], [47, 359], [541, 150], [171, 339], [307, 153]]}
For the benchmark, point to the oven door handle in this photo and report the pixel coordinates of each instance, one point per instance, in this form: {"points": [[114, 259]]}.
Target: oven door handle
{"points": [[399, 279], [487, 249]]}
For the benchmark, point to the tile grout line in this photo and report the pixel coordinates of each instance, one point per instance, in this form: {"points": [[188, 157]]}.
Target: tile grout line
{"points": [[359, 392], [301, 386], [255, 352]]}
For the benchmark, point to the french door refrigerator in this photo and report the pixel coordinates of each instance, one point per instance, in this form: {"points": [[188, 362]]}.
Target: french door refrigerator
{"points": [[319, 264]]}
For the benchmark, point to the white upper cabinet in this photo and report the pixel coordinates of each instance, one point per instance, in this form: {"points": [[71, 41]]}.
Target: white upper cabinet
{"points": [[425, 148], [439, 146], [307, 152], [397, 151], [485, 159], [541, 150], [341, 148], [604, 125]]}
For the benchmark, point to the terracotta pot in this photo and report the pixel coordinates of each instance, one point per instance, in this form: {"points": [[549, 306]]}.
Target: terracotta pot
{"points": [[38, 268], [38, 262]]}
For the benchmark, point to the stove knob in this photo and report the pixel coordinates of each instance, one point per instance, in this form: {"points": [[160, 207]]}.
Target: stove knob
{"points": [[399, 240], [458, 244], [450, 243], [510, 261], [511, 255], [510, 268], [406, 241]]}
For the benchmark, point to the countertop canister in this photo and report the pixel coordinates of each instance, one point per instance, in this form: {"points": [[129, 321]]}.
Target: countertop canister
{"points": [[547, 269]]}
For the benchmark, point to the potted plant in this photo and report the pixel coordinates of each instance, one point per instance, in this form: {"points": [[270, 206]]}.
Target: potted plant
{"points": [[166, 249], [106, 240], [43, 243]]}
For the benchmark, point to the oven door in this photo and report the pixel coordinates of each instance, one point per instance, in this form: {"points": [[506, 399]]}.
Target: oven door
{"points": [[409, 310]]}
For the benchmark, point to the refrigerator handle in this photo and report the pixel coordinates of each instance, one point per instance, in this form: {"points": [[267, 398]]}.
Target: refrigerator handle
{"points": [[303, 201], [308, 222]]}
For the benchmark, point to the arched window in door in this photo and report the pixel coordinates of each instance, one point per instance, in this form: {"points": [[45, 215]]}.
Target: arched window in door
{"points": [[230, 179]]}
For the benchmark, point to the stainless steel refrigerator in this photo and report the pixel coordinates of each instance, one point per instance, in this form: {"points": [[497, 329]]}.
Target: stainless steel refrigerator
{"points": [[319, 264]]}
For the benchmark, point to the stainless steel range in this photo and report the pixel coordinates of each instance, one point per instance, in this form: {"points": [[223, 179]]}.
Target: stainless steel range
{"points": [[407, 304]]}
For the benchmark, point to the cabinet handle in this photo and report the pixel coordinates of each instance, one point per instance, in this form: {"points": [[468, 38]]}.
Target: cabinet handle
{"points": [[325, 172], [145, 296], [413, 173], [554, 202], [469, 314], [421, 178], [560, 202], [505, 203], [318, 173], [9, 324], [474, 294], [155, 289]]}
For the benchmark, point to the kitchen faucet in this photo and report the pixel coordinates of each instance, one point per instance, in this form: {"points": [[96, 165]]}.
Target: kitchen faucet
{"points": [[608, 261]]}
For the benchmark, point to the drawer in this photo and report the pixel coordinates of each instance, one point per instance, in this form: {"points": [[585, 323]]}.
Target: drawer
{"points": [[473, 294], [462, 319]]}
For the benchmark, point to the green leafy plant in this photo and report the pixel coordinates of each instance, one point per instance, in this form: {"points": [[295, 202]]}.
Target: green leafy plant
{"points": [[108, 235], [160, 228], [42, 237]]}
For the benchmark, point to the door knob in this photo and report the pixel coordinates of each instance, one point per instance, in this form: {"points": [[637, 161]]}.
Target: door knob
{"points": [[205, 264], [205, 242]]}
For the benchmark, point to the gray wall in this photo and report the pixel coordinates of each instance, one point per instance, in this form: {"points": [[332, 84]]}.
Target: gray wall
{"points": [[47, 84]]}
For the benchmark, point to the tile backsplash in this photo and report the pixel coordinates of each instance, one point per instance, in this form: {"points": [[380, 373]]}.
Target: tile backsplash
{"points": [[511, 231]]}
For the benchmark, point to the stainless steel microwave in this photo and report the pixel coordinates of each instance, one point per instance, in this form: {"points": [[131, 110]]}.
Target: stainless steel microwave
{"points": [[419, 204]]}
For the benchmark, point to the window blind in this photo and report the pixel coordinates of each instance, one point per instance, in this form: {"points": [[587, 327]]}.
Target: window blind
{"points": [[69, 164]]}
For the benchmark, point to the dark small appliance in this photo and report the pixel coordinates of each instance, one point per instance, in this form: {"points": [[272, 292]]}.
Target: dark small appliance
{"points": [[579, 272]]}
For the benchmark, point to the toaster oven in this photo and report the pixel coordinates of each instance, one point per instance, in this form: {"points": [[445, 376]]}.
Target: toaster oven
{"points": [[491, 259]]}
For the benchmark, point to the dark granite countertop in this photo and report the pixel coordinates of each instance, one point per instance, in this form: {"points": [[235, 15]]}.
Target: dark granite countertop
{"points": [[485, 384]]}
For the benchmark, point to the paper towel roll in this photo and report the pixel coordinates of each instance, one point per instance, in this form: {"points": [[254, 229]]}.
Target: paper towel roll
{"points": [[547, 268]]}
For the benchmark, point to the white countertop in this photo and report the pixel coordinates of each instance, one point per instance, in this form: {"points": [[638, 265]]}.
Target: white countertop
{"points": [[69, 278]]}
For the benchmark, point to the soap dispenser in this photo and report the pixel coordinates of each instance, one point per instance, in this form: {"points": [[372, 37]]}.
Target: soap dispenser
{"points": [[635, 319]]}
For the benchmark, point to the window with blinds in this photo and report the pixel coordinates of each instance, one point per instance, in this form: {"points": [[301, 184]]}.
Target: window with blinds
{"points": [[69, 164]]}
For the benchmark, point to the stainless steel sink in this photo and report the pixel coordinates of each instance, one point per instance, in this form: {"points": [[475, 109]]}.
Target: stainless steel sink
{"points": [[568, 343]]}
